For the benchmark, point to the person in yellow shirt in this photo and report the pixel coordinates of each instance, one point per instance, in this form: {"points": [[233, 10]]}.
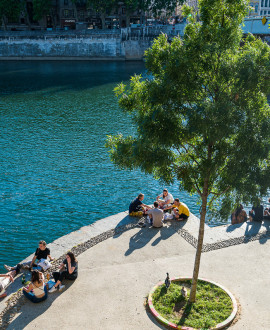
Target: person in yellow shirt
{"points": [[180, 210]]}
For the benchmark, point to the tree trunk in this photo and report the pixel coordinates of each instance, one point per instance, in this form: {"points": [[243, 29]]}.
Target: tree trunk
{"points": [[4, 23], [192, 296], [26, 16], [127, 20], [102, 17]]}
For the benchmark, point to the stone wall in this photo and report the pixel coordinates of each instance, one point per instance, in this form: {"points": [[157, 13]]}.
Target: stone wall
{"points": [[70, 48]]}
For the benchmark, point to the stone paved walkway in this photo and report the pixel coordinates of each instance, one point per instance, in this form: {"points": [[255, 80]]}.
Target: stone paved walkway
{"points": [[116, 274]]}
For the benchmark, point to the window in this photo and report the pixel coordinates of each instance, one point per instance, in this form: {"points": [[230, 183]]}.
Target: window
{"points": [[265, 12], [266, 3], [123, 11], [66, 2], [262, 4], [66, 13]]}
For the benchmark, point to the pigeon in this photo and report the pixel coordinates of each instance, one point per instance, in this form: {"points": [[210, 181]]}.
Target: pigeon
{"points": [[184, 291], [167, 281]]}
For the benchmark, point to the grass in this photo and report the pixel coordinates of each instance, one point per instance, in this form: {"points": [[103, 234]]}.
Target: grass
{"points": [[212, 305]]}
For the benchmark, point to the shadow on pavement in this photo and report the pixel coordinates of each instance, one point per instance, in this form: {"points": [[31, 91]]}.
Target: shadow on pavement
{"points": [[154, 320], [145, 235], [30, 311], [125, 224], [140, 239], [252, 229], [231, 228]]}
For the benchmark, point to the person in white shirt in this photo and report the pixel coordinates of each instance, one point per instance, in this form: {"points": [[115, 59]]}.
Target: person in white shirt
{"points": [[165, 199]]}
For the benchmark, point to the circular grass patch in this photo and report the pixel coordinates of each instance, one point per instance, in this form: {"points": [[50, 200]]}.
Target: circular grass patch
{"points": [[214, 308]]}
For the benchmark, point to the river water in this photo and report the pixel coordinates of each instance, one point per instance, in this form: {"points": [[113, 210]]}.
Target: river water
{"points": [[55, 173]]}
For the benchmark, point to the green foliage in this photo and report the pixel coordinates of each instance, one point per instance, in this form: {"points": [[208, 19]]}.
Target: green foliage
{"points": [[155, 6], [11, 8], [203, 117], [101, 6], [41, 8], [212, 305]]}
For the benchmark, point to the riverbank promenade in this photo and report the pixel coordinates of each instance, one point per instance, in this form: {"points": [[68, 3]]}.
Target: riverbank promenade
{"points": [[124, 262]]}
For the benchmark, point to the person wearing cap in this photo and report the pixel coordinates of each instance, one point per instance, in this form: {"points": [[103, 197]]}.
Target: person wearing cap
{"points": [[180, 210], [164, 199]]}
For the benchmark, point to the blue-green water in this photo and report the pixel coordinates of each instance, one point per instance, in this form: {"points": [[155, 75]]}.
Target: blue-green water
{"points": [[55, 173]]}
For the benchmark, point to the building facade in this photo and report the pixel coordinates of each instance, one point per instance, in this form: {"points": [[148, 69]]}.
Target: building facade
{"points": [[264, 8], [67, 15]]}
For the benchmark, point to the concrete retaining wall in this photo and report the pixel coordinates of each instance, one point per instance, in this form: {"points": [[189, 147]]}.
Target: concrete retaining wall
{"points": [[84, 48]]}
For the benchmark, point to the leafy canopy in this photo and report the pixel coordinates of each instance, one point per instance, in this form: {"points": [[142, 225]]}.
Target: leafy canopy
{"points": [[11, 8], [203, 116], [155, 6], [41, 8]]}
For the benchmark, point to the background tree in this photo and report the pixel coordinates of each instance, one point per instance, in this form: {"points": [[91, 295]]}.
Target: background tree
{"points": [[10, 9], [102, 7], [203, 117], [155, 7], [41, 8]]}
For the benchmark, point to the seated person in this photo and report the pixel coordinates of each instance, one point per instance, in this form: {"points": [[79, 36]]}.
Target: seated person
{"points": [[256, 213], [180, 210], [239, 215], [137, 205], [42, 252], [164, 199], [68, 270], [156, 216], [266, 213], [36, 291], [7, 278]]}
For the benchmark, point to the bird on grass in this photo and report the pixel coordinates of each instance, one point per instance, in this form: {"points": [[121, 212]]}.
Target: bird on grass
{"points": [[167, 281]]}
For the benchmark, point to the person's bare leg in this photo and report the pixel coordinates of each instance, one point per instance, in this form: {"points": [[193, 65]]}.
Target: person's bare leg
{"points": [[57, 283]]}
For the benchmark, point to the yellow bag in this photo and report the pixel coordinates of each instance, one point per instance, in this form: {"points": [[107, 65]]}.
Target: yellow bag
{"points": [[136, 214]]}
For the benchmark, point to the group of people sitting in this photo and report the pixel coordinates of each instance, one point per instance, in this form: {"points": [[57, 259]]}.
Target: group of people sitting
{"points": [[257, 214], [37, 290], [164, 203]]}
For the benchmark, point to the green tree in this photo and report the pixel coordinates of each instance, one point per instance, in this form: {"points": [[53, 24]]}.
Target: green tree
{"points": [[153, 6], [41, 8], [102, 7], [10, 9], [203, 117]]}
